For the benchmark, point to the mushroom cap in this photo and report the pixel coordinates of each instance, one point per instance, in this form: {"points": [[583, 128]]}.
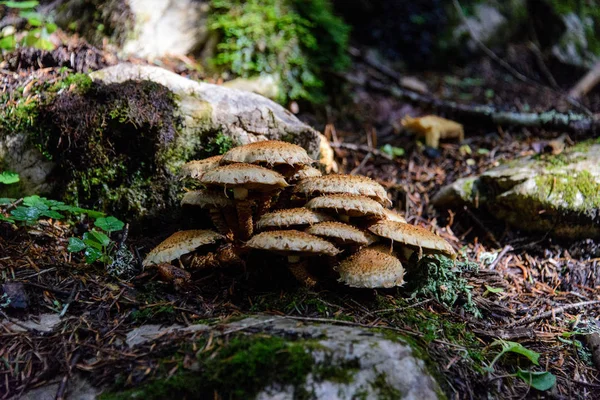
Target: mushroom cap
{"points": [[412, 235], [342, 233], [291, 216], [205, 198], [195, 168], [371, 268], [292, 242], [351, 205], [244, 175], [392, 215], [180, 243], [346, 184], [306, 172], [271, 152]]}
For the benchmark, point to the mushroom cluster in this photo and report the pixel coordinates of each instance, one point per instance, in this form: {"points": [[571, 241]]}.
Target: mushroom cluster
{"points": [[266, 196]]}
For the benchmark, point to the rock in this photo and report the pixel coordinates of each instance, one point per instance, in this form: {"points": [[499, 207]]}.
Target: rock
{"points": [[575, 45], [146, 333], [43, 323], [77, 388], [167, 28], [550, 193], [265, 85], [14, 295], [207, 108]]}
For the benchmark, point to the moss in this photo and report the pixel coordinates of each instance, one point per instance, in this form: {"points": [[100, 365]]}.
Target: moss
{"points": [[579, 191], [297, 41], [468, 188], [384, 389]]}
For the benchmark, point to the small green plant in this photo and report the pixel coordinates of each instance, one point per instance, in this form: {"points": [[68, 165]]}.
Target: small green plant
{"points": [[31, 209], [37, 30], [392, 151], [540, 380], [97, 244], [220, 144], [8, 178]]}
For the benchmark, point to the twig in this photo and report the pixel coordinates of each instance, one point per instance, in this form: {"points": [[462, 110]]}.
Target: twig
{"points": [[63, 383], [489, 235], [362, 163], [551, 120], [587, 83], [363, 148], [554, 311], [505, 250], [542, 65]]}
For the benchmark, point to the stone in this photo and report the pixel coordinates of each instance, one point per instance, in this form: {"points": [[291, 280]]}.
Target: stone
{"points": [[146, 333], [166, 28], [574, 45], [43, 323], [206, 108], [265, 85], [559, 194], [14, 296], [77, 388]]}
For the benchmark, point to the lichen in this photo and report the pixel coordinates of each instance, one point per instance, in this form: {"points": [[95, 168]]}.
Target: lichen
{"points": [[579, 191]]}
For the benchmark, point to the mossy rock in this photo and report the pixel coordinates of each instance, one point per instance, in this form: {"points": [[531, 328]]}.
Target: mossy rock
{"points": [[559, 194]]}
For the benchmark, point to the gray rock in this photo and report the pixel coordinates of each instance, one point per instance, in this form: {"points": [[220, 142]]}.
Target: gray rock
{"points": [[573, 46], [146, 333], [559, 193], [78, 388], [206, 108], [14, 295]]}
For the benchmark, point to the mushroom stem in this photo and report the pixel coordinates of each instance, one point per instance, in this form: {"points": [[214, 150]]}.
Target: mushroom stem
{"points": [[229, 213], [218, 221], [229, 255], [244, 212], [299, 269], [283, 201], [170, 273], [240, 193], [208, 260], [344, 218]]}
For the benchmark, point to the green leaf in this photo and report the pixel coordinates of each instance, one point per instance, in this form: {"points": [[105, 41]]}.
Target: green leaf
{"points": [[4, 201], [6, 219], [76, 245], [8, 42], [392, 151], [28, 214], [542, 380], [8, 177], [51, 27], [96, 239], [92, 254], [52, 214], [493, 289], [514, 347], [20, 4], [36, 202], [109, 224]]}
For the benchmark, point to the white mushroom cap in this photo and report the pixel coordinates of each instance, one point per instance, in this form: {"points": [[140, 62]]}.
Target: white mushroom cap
{"points": [[243, 175], [205, 198], [292, 242], [196, 168], [342, 233], [347, 184], [412, 235], [392, 215], [346, 204], [290, 217], [371, 268], [180, 243], [270, 152], [306, 172]]}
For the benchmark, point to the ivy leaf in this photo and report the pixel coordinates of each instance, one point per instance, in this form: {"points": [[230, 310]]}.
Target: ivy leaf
{"points": [[109, 224], [543, 380], [8, 177], [92, 254], [76, 245]]}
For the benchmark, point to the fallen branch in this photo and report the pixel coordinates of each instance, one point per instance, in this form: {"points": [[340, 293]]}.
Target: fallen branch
{"points": [[362, 148], [552, 120], [553, 312], [587, 83]]}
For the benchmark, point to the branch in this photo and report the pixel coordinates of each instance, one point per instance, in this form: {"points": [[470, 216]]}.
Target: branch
{"points": [[362, 148], [553, 312], [587, 83]]}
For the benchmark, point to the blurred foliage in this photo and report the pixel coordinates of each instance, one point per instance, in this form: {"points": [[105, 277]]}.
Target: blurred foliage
{"points": [[30, 28], [295, 40]]}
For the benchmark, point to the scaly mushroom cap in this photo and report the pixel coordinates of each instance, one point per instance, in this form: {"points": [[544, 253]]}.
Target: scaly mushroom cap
{"points": [[180, 243], [412, 235], [346, 184], [244, 175], [290, 217], [392, 215], [292, 242], [371, 268], [347, 204], [205, 198], [306, 172], [341, 233], [196, 168], [270, 152]]}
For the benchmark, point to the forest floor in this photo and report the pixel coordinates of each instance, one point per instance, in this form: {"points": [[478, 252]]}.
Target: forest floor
{"points": [[532, 290]]}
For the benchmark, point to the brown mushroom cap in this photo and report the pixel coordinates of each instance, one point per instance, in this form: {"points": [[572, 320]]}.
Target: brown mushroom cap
{"points": [[346, 184], [306, 172], [205, 198], [290, 217], [371, 268], [392, 215], [180, 243], [271, 152], [244, 175], [195, 168], [292, 242], [347, 204], [342, 233], [412, 235]]}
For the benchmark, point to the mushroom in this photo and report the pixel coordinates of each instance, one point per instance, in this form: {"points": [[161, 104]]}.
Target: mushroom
{"points": [[347, 205], [241, 178], [434, 128], [371, 267], [306, 171], [195, 168], [413, 236], [272, 153], [392, 215], [291, 217], [214, 202], [342, 234], [343, 184], [294, 244]]}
